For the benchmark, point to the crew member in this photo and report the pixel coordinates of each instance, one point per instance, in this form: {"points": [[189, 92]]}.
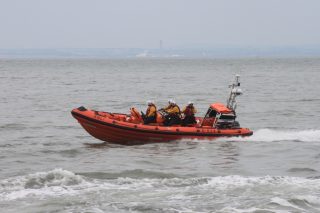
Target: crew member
{"points": [[174, 114], [189, 111], [151, 113]]}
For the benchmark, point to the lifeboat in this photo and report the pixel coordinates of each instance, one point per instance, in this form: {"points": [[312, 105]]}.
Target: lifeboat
{"points": [[129, 129]]}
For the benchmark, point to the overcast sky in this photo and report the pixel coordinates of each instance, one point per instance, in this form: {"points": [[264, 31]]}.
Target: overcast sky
{"points": [[143, 23]]}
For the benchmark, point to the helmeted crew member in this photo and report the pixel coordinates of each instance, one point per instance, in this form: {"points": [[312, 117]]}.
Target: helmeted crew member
{"points": [[189, 111], [151, 113], [174, 114]]}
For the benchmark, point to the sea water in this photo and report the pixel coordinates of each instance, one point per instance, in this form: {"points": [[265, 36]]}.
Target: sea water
{"points": [[48, 163]]}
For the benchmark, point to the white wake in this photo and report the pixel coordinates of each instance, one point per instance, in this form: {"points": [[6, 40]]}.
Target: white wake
{"points": [[269, 135]]}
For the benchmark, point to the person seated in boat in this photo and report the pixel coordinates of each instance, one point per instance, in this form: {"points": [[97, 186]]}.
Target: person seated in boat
{"points": [[151, 113], [189, 111], [173, 114]]}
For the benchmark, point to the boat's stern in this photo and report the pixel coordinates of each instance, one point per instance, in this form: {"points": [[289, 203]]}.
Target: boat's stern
{"points": [[245, 132]]}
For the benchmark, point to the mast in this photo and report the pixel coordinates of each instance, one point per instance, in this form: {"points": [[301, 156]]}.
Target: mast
{"points": [[234, 92]]}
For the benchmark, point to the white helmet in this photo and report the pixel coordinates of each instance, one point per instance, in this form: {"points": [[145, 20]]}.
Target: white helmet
{"points": [[190, 102], [171, 101], [149, 102]]}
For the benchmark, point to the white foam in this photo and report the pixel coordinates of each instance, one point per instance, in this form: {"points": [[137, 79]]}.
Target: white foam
{"points": [[218, 183], [62, 182], [277, 181]]}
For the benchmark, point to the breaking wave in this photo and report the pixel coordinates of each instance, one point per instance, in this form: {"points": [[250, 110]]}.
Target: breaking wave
{"points": [[55, 182], [62, 182]]}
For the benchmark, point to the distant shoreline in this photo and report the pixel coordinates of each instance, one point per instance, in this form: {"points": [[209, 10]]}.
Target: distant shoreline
{"points": [[141, 53]]}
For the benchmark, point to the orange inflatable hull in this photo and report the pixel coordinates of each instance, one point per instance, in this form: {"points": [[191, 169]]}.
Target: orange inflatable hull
{"points": [[114, 128]]}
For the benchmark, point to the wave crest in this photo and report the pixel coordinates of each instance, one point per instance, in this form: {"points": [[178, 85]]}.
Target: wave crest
{"points": [[54, 182], [56, 177]]}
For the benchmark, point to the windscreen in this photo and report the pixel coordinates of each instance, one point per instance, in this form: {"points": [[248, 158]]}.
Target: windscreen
{"points": [[227, 117], [212, 114]]}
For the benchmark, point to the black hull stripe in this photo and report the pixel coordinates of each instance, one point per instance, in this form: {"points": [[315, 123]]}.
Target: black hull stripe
{"points": [[156, 132]]}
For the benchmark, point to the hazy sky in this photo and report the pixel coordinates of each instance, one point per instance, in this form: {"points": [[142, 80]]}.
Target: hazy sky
{"points": [[143, 23]]}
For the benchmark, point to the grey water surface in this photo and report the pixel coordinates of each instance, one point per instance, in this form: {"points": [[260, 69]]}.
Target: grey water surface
{"points": [[48, 163]]}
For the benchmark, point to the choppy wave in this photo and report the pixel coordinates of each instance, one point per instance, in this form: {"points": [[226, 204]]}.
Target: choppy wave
{"points": [[54, 182], [269, 135], [293, 193], [136, 173], [303, 169], [12, 126]]}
